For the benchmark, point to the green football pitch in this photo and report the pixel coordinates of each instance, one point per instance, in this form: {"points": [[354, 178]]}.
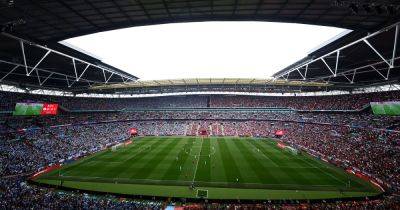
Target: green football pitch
{"points": [[213, 168]]}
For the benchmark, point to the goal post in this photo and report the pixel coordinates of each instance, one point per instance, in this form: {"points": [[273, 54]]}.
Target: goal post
{"points": [[117, 146], [290, 149]]}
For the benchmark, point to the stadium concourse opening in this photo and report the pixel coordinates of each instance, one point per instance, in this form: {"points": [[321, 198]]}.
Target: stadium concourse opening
{"points": [[254, 123]]}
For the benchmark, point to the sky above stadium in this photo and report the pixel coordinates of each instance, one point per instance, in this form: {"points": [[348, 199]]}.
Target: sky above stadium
{"points": [[206, 49]]}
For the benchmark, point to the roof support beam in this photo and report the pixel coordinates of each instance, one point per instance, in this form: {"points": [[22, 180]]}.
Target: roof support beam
{"points": [[8, 73], [377, 52], [356, 70], [51, 74], [337, 51], [396, 36], [354, 76], [301, 74], [76, 73], [346, 78], [21, 43], [104, 74], [37, 64], [87, 66], [326, 64], [66, 78], [109, 78], [388, 73], [41, 70], [99, 67], [337, 62], [373, 67], [305, 73], [38, 76]]}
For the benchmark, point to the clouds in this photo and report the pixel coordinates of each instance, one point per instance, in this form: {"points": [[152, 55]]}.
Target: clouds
{"points": [[206, 49]]}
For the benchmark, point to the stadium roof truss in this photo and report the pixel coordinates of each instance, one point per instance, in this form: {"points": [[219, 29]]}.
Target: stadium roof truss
{"points": [[372, 58], [207, 85], [78, 67]]}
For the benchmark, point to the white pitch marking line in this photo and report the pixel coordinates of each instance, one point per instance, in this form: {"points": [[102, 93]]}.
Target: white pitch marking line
{"points": [[198, 159]]}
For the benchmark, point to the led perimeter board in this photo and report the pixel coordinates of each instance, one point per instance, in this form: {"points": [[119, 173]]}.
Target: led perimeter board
{"points": [[391, 108], [32, 109]]}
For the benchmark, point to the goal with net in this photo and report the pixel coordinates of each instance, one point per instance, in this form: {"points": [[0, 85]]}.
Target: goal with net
{"points": [[117, 146]]}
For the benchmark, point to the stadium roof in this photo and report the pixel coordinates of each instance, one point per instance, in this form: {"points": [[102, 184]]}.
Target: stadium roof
{"points": [[48, 64], [209, 85], [58, 20]]}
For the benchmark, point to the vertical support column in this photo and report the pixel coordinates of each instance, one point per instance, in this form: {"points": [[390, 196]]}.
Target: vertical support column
{"points": [[337, 62], [396, 35], [305, 73], [76, 73], [354, 75], [21, 43]]}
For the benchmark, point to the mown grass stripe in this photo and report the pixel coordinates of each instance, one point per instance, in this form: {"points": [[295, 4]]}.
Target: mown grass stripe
{"points": [[263, 174], [174, 172], [217, 174], [116, 169], [204, 167], [157, 158], [231, 169]]}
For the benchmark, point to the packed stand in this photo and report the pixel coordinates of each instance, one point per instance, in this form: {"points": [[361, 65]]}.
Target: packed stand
{"points": [[336, 102]]}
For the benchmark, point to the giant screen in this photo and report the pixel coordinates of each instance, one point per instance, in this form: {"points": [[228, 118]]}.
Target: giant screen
{"points": [[391, 108], [29, 109]]}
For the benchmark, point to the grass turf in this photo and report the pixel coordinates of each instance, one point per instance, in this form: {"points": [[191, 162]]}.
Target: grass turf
{"points": [[227, 168]]}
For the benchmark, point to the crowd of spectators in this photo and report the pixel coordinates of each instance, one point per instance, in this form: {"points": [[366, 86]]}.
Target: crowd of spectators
{"points": [[362, 119], [385, 203], [334, 102], [16, 193]]}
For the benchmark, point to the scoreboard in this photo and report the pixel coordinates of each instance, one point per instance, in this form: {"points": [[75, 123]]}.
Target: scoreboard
{"points": [[390, 108], [49, 109], [33, 109]]}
